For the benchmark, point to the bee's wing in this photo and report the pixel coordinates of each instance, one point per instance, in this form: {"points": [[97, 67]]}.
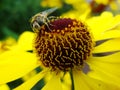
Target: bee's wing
{"points": [[49, 11]]}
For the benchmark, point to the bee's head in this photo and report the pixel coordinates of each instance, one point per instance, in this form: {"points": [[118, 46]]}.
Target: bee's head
{"points": [[36, 22]]}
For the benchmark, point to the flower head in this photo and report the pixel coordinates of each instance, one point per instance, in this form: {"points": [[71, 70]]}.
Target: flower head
{"points": [[68, 47]]}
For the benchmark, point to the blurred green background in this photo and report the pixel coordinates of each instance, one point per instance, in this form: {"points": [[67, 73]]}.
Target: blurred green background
{"points": [[15, 16]]}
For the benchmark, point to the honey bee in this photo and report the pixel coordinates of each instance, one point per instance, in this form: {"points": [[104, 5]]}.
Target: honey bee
{"points": [[42, 18]]}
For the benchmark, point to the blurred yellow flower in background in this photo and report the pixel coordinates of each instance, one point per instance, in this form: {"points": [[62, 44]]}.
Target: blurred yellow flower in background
{"points": [[78, 7], [105, 2], [6, 44], [113, 4], [52, 3]]}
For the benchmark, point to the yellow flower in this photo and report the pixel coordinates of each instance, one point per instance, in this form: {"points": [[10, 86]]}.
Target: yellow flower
{"points": [[6, 44], [76, 14], [78, 4], [114, 4], [103, 1], [51, 3], [92, 49], [29, 75], [78, 7], [4, 87]]}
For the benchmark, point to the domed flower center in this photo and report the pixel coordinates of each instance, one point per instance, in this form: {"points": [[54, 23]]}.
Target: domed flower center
{"points": [[64, 45]]}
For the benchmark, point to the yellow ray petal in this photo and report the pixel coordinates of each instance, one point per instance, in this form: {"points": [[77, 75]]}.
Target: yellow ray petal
{"points": [[31, 82], [106, 68], [53, 84], [95, 84], [4, 87], [25, 40], [113, 59], [107, 35], [14, 65], [29, 75], [114, 6], [66, 83], [105, 26], [79, 84], [105, 77], [105, 2], [99, 23], [84, 82], [110, 45], [109, 64]]}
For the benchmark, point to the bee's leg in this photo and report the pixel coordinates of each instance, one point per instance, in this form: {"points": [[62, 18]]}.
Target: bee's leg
{"points": [[51, 17], [48, 26], [47, 23]]}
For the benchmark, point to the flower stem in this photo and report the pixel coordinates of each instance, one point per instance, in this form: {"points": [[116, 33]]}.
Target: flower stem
{"points": [[72, 80]]}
